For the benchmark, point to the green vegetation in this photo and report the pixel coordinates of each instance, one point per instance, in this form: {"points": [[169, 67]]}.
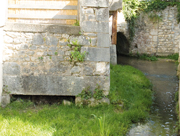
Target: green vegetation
{"points": [[40, 58], [77, 55], [173, 56], [130, 96], [56, 53], [147, 57], [155, 58], [87, 93], [76, 23]]}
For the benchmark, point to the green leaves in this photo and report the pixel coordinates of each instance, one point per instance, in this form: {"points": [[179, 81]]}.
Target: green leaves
{"points": [[76, 54], [87, 93]]}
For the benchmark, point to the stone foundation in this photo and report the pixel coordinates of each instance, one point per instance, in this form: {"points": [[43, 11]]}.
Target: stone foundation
{"points": [[36, 58]]}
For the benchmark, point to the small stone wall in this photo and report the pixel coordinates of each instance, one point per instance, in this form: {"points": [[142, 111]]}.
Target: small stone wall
{"points": [[37, 57], [156, 38]]}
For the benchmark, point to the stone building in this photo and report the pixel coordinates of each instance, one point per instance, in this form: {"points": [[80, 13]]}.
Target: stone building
{"points": [[37, 40]]}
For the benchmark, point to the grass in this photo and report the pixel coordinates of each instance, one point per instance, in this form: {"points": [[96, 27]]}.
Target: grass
{"points": [[173, 56], [155, 58], [130, 96]]}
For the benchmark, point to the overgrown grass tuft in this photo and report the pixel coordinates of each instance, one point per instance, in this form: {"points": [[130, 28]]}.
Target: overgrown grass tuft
{"points": [[130, 97], [146, 57], [173, 56]]}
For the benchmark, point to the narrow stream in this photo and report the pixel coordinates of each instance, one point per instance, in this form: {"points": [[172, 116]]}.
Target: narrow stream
{"points": [[162, 74]]}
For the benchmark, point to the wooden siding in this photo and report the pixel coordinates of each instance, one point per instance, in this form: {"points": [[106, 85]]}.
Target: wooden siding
{"points": [[43, 11]]}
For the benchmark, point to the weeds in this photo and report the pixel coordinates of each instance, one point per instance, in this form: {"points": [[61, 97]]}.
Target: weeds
{"points": [[76, 23], [40, 58], [87, 93], [146, 57], [103, 131], [173, 56], [76, 54], [5, 90]]}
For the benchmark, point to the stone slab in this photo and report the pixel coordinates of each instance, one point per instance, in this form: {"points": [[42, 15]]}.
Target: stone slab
{"points": [[95, 3], [5, 100], [97, 54], [53, 85], [11, 68], [115, 5], [113, 57], [41, 28], [103, 40], [102, 14]]}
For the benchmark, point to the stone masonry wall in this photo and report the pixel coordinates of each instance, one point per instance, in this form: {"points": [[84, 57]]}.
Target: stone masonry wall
{"points": [[37, 58], [158, 38]]}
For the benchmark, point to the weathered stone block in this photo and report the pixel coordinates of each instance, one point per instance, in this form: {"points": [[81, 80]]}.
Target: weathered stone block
{"points": [[95, 3], [97, 54], [88, 71], [5, 100], [113, 57], [89, 26], [11, 68], [35, 28], [32, 47], [81, 40], [75, 69], [52, 48], [63, 43], [115, 5], [103, 40], [37, 39], [53, 85], [89, 11], [101, 68], [50, 40], [93, 41], [14, 84], [103, 27], [91, 17], [66, 102], [102, 14], [60, 52], [24, 46]]}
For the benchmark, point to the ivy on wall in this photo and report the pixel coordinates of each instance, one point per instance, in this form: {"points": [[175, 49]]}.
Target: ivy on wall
{"points": [[132, 9]]}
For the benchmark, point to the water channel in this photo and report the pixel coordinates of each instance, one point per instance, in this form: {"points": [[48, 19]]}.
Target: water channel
{"points": [[162, 74]]}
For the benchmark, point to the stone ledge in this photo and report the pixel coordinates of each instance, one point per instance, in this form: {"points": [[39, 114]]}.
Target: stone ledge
{"points": [[115, 5], [54, 85], [42, 28]]}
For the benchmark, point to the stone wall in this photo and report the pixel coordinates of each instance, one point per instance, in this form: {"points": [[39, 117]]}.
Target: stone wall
{"points": [[37, 57], [158, 38]]}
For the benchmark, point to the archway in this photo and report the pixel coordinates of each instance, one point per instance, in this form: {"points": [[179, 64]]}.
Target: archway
{"points": [[123, 44]]}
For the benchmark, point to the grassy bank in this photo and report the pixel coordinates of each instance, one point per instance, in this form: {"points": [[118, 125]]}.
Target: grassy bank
{"points": [[130, 97], [155, 58]]}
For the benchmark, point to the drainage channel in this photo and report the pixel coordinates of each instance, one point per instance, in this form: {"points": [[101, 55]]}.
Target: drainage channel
{"points": [[163, 118]]}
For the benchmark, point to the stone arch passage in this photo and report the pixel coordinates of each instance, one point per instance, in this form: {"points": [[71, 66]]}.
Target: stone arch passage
{"points": [[123, 44]]}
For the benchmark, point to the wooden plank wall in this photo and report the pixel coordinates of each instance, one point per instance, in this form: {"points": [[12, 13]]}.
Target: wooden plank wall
{"points": [[43, 11]]}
